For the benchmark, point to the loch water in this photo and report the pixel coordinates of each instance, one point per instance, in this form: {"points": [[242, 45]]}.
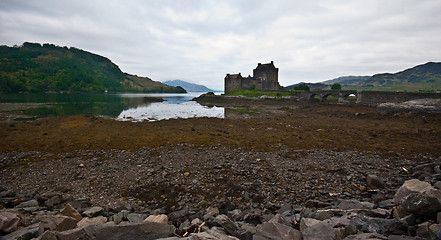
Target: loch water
{"points": [[123, 107]]}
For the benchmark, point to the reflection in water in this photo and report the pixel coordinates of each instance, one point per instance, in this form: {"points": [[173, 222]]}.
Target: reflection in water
{"points": [[135, 107], [170, 110]]}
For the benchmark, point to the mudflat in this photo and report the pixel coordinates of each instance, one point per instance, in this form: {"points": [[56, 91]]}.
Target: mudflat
{"points": [[267, 154]]}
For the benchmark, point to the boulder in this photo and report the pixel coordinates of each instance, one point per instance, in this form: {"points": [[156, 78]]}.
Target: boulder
{"points": [[92, 221], [416, 186], [373, 181], [136, 231], [70, 211], [55, 222], [93, 212], [421, 205], [157, 219], [226, 223], [385, 226], [365, 236], [307, 222], [321, 230], [28, 232], [8, 222], [268, 231], [135, 217]]}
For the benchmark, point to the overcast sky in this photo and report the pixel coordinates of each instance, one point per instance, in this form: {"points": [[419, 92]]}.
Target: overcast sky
{"points": [[201, 41]]}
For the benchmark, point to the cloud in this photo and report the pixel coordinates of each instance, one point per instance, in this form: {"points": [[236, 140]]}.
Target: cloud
{"points": [[202, 40]]}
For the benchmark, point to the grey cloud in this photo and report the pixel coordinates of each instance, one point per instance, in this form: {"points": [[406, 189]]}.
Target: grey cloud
{"points": [[200, 41]]}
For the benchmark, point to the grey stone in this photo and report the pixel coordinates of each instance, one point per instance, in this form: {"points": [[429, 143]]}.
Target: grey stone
{"points": [[385, 226], [307, 222], [56, 222], [416, 186], [157, 218], [138, 231], [28, 204], [70, 211], [47, 235], [93, 212], [135, 217], [225, 222], [420, 205], [353, 204], [321, 230], [26, 233], [268, 231], [92, 221], [423, 230], [365, 236], [373, 181], [212, 234], [8, 222]]}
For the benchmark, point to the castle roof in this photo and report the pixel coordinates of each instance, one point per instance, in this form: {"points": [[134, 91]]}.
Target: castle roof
{"points": [[265, 66]]}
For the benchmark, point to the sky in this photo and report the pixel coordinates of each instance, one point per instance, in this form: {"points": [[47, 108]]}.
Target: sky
{"points": [[200, 41]]}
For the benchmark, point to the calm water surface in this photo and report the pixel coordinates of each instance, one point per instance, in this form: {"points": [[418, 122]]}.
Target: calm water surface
{"points": [[124, 107]]}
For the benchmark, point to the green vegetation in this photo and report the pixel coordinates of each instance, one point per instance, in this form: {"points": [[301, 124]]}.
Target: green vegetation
{"points": [[256, 93], [48, 68], [244, 110], [336, 86], [302, 87]]}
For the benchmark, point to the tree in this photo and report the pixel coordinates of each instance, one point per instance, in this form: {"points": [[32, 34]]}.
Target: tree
{"points": [[302, 87], [336, 86]]}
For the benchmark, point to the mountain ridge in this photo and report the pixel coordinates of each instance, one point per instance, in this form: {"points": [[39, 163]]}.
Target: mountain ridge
{"points": [[189, 87], [33, 67]]}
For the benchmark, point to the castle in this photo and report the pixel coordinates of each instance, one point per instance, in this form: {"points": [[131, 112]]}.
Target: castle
{"points": [[265, 77]]}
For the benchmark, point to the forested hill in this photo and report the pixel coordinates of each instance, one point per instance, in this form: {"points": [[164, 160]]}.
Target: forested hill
{"points": [[48, 68]]}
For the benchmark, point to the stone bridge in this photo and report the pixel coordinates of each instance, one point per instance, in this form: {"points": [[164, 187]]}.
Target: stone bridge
{"points": [[364, 97]]}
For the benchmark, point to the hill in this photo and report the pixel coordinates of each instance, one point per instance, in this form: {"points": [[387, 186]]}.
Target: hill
{"points": [[422, 77], [312, 86], [189, 87], [347, 80], [33, 67]]}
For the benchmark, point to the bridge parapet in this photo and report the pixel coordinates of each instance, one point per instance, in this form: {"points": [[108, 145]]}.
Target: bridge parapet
{"points": [[365, 97]]}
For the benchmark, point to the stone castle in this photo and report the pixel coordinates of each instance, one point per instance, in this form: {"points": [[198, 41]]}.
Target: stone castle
{"points": [[265, 77]]}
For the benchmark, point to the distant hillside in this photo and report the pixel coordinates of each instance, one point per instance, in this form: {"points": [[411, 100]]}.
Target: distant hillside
{"points": [[347, 80], [189, 87], [311, 86], [48, 68], [423, 77]]}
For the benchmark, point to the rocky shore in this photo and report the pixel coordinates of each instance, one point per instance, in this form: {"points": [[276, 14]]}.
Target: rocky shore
{"points": [[282, 172]]}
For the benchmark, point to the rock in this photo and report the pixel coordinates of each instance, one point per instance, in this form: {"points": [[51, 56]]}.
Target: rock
{"points": [[373, 181], [55, 222], [365, 236], [70, 211], [177, 214], [268, 231], [353, 204], [416, 186], [321, 230], [226, 223], [212, 234], [421, 205], [138, 231], [307, 222], [135, 217], [117, 217], [385, 226], [48, 235], [28, 232], [8, 222], [93, 212], [423, 231], [91, 221], [157, 219], [31, 205], [435, 229]]}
